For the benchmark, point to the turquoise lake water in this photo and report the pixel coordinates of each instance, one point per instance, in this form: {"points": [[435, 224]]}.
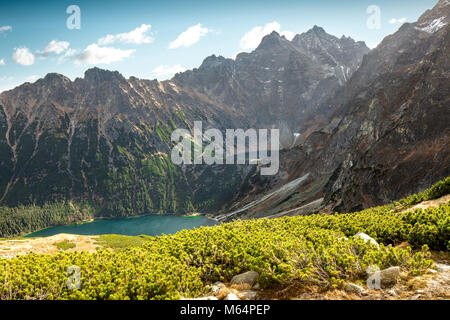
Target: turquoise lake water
{"points": [[152, 225]]}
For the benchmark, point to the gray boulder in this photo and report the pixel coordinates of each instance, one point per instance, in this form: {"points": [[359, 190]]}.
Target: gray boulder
{"points": [[250, 278], [389, 276], [354, 288]]}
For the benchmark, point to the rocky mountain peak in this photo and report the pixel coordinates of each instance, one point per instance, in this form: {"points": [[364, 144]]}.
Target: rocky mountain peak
{"points": [[55, 78], [318, 30], [272, 40], [213, 61], [315, 32], [100, 75], [318, 37], [280, 79]]}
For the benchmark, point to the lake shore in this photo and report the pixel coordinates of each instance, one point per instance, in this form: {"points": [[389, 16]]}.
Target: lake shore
{"points": [[148, 224]]}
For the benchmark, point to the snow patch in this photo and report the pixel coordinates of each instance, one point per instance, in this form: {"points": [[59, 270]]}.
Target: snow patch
{"points": [[433, 26]]}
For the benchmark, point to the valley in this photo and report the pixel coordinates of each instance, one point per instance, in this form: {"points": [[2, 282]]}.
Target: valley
{"points": [[93, 205]]}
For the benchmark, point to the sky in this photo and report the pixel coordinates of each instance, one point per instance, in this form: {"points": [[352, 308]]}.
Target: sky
{"points": [[152, 39]]}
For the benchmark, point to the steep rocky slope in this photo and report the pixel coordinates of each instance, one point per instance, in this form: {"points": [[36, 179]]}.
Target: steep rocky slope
{"points": [[397, 112], [388, 135], [102, 138]]}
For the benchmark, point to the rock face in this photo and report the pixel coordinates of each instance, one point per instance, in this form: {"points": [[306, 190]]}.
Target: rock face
{"points": [[281, 80], [286, 136], [248, 295], [394, 130], [106, 139], [387, 135]]}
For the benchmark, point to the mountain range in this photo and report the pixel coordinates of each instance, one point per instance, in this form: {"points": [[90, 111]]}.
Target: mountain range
{"points": [[364, 127]]}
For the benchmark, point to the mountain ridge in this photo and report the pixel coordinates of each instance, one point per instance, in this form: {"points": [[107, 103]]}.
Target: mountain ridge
{"points": [[106, 139], [113, 134]]}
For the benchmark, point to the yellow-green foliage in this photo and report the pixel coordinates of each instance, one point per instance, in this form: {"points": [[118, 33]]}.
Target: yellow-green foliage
{"points": [[115, 241], [316, 249], [438, 190], [385, 224], [313, 249], [65, 245]]}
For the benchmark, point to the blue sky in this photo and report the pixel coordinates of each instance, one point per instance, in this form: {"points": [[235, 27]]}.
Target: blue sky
{"points": [[153, 39]]}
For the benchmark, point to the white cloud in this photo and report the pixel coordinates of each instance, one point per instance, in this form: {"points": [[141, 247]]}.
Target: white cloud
{"points": [[394, 20], [288, 34], [23, 56], [5, 28], [94, 54], [54, 47], [68, 54], [189, 37], [2, 62], [165, 70], [253, 38], [139, 35]]}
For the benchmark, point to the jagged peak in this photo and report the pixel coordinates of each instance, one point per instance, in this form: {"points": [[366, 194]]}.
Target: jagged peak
{"points": [[314, 32], [100, 75], [214, 61], [272, 39], [214, 58], [272, 36], [318, 29], [317, 32], [52, 77], [350, 40]]}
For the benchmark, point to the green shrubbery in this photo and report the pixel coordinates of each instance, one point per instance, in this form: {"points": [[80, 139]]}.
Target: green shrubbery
{"points": [[431, 226], [65, 245], [317, 249], [438, 190], [313, 249]]}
